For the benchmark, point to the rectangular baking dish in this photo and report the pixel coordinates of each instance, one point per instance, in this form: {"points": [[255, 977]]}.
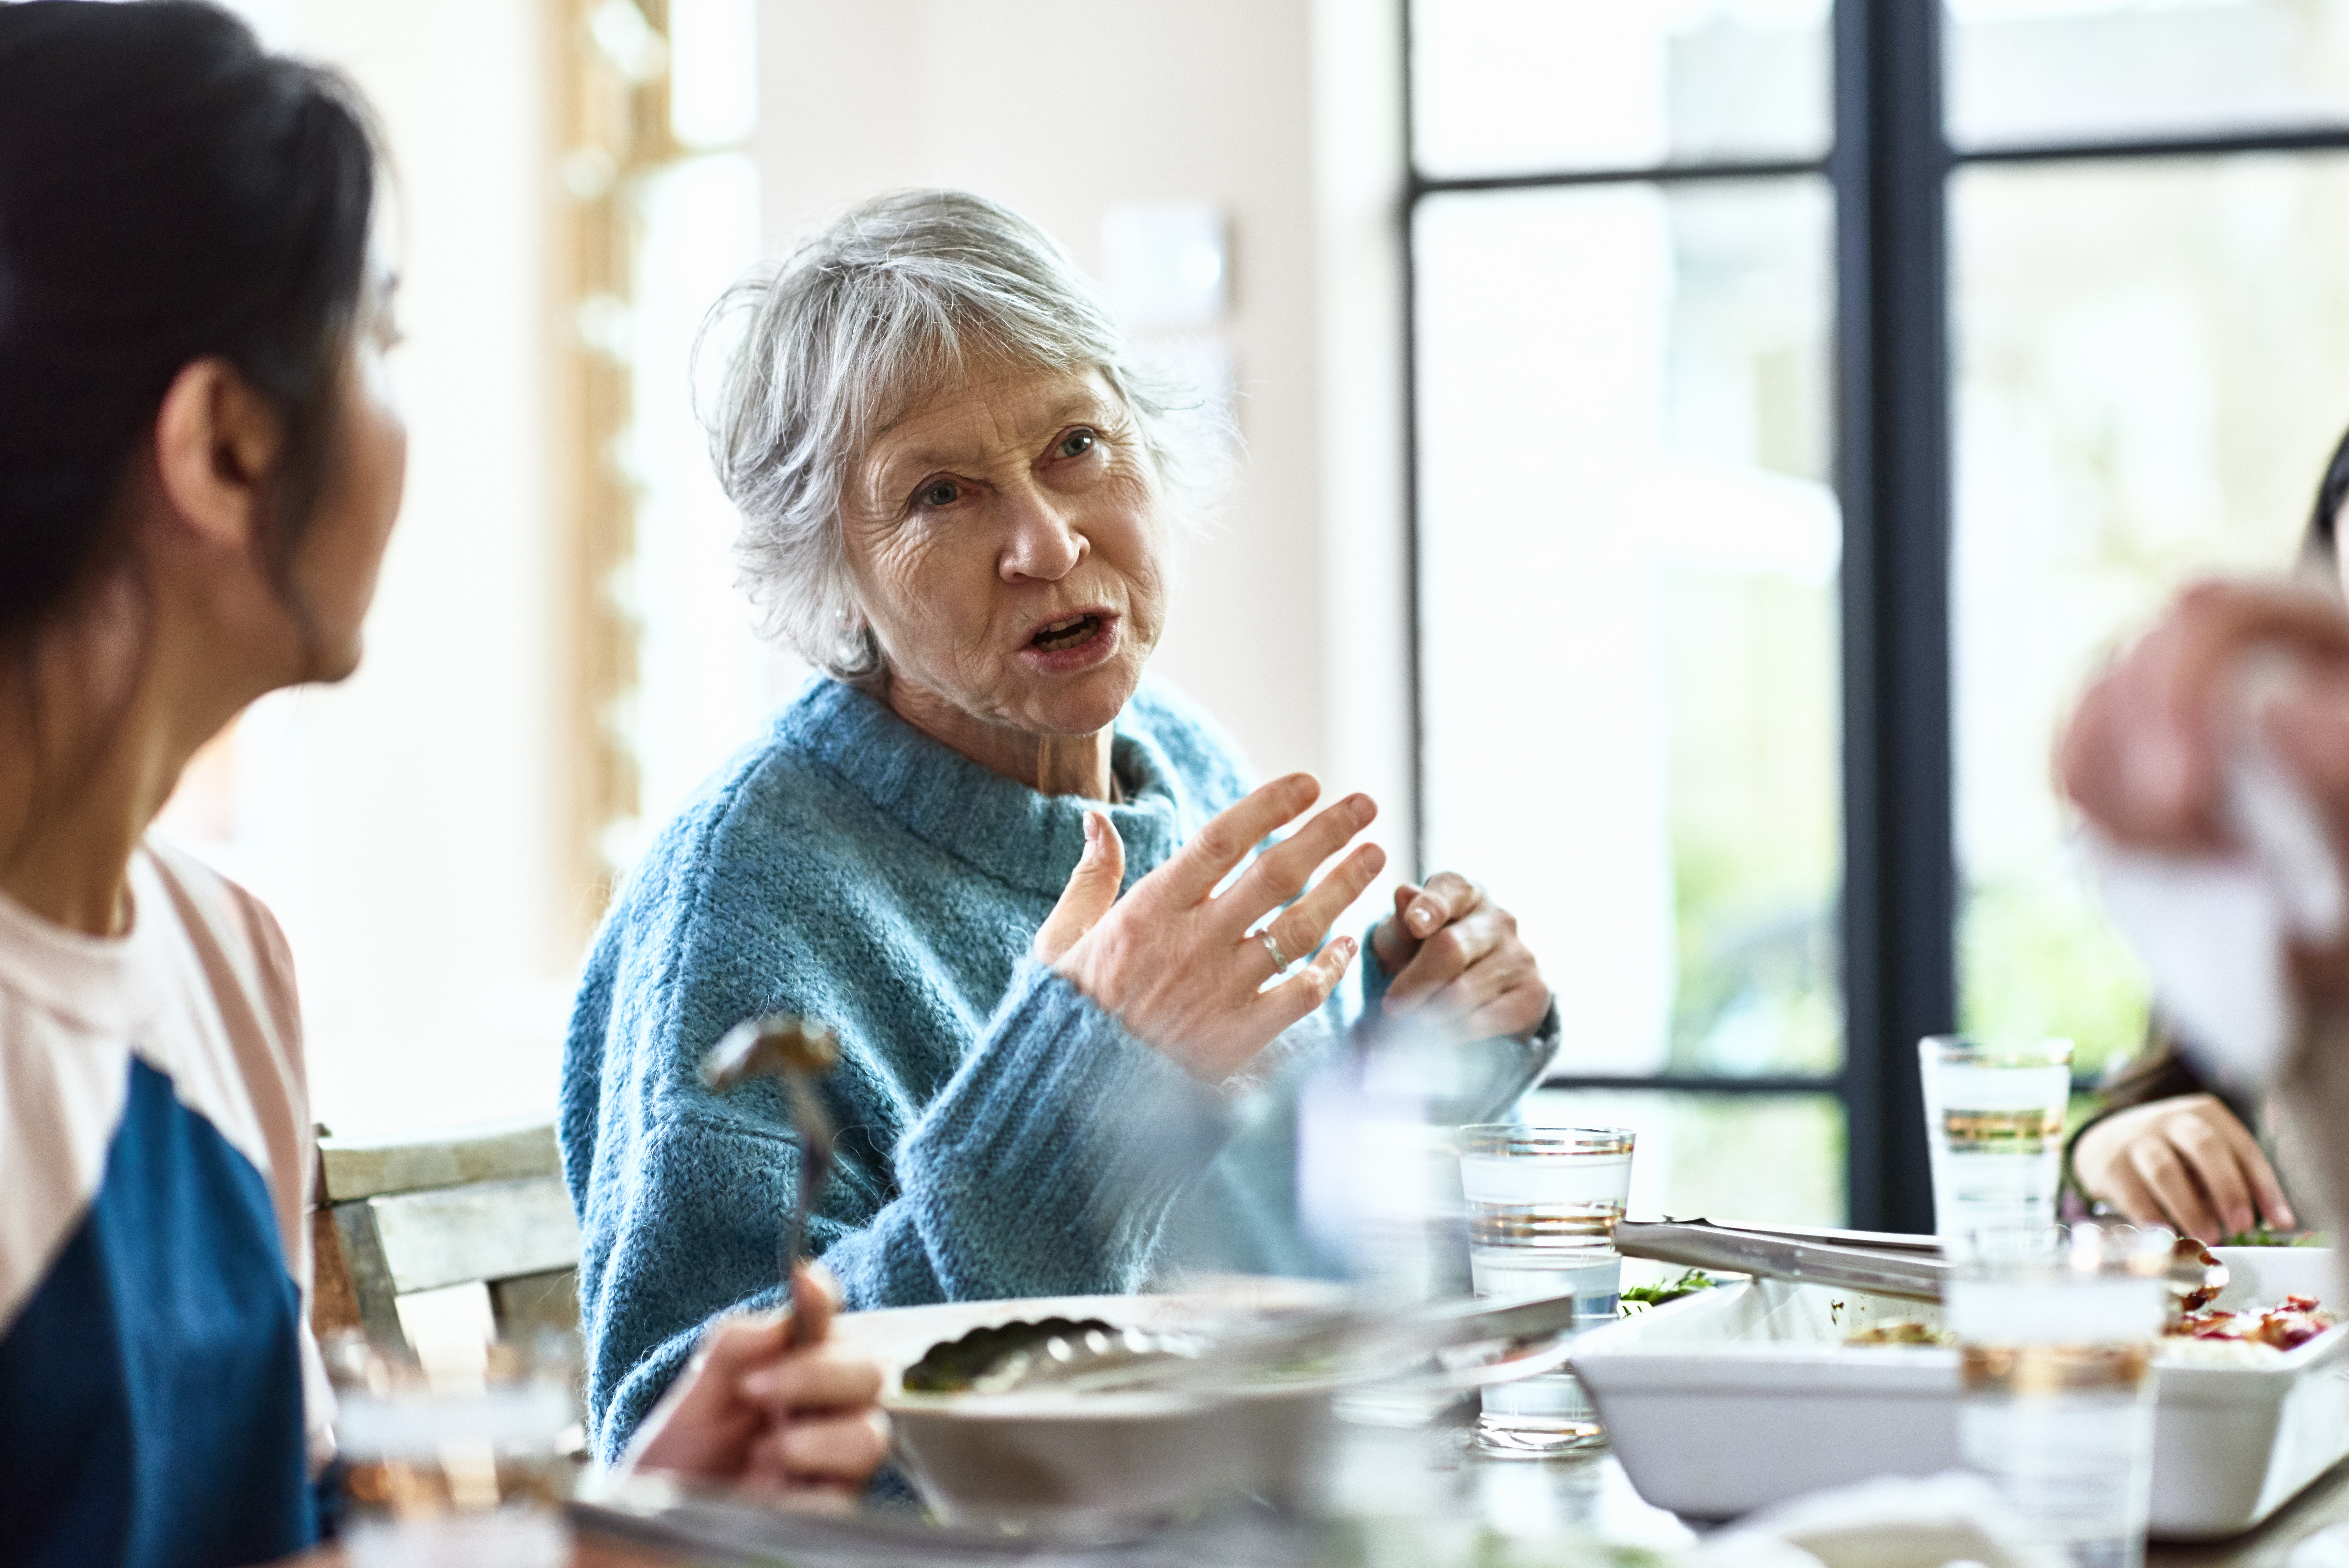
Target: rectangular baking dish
{"points": [[1746, 1395]]}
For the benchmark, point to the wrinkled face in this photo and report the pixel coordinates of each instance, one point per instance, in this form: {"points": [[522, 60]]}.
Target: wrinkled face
{"points": [[1008, 546]]}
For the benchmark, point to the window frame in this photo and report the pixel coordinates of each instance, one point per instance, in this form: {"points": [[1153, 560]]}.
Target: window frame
{"points": [[1889, 169]]}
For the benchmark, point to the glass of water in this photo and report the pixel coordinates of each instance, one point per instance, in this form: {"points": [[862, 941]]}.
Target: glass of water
{"points": [[2056, 1337], [455, 1463], [1994, 1122], [1542, 1208]]}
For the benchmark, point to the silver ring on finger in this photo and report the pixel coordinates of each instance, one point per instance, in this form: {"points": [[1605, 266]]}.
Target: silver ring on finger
{"points": [[1281, 960]]}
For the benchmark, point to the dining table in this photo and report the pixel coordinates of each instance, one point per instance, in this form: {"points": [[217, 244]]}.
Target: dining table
{"points": [[1430, 1481]]}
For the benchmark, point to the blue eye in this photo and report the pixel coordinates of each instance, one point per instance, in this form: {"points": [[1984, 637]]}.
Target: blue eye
{"points": [[1078, 444], [944, 492]]}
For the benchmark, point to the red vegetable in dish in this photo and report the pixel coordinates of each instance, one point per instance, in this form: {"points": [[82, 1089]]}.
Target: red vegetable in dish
{"points": [[2190, 1252], [2285, 1326]]}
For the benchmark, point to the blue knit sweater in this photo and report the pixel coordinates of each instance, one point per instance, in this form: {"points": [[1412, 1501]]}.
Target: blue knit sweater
{"points": [[999, 1134]]}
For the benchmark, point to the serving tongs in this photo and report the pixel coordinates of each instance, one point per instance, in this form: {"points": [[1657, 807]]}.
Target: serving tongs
{"points": [[798, 1053], [1877, 1261], [1880, 1262], [1474, 1342]]}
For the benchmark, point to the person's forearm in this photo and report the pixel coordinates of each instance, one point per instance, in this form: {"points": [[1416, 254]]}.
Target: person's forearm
{"points": [[1046, 1166]]}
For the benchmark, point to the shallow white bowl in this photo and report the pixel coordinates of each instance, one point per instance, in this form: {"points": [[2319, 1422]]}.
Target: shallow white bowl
{"points": [[1741, 1396], [1064, 1461]]}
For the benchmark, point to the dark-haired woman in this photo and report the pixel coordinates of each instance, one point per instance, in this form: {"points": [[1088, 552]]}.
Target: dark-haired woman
{"points": [[200, 466], [2173, 1146]]}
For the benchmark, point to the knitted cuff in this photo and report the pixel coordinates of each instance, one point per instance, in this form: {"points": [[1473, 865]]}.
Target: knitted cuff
{"points": [[1046, 1165]]}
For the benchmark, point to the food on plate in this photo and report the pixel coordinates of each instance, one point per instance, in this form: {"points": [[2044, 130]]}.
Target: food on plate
{"points": [[2289, 1325], [2187, 1256], [958, 1365], [2262, 1235], [2201, 1333], [1640, 1298], [2293, 1322], [1900, 1331]]}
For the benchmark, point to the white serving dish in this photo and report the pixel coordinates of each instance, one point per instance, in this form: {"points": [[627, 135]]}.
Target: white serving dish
{"points": [[1091, 1462], [1746, 1395]]}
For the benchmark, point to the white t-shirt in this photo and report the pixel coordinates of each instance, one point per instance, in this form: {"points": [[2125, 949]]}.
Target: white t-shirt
{"points": [[146, 1081]]}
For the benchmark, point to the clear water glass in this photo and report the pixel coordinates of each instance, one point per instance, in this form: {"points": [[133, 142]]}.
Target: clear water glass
{"points": [[2056, 1337], [1542, 1203], [455, 1463], [1994, 1124]]}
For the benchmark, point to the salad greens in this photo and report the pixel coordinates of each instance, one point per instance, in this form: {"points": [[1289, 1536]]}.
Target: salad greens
{"points": [[2265, 1235], [1640, 1298]]}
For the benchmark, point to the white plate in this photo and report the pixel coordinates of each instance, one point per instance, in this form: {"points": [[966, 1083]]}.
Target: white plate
{"points": [[1093, 1462], [1744, 1395]]}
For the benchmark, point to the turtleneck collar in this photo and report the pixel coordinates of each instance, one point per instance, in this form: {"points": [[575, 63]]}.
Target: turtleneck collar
{"points": [[995, 824]]}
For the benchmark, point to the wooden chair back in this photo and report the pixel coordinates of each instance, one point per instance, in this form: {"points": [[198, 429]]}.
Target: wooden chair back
{"points": [[485, 1205]]}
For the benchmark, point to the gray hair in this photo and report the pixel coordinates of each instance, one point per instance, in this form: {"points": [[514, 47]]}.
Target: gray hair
{"points": [[858, 324]]}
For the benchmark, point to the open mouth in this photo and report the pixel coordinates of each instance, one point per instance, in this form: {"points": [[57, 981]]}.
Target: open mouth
{"points": [[1062, 634]]}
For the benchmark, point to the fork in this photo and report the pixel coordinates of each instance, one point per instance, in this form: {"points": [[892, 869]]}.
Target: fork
{"points": [[779, 1046]]}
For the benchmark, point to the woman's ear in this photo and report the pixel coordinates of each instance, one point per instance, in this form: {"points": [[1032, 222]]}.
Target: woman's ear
{"points": [[216, 441]]}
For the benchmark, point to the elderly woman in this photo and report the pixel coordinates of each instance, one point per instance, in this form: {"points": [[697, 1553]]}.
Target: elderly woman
{"points": [[981, 847]]}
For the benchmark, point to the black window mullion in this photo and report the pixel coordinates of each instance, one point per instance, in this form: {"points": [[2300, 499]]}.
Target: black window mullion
{"points": [[1886, 911], [1653, 174], [2278, 139], [1415, 698], [1889, 168]]}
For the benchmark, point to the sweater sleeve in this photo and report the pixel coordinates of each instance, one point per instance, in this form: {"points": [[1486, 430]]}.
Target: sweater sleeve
{"points": [[1046, 1166], [1063, 1138]]}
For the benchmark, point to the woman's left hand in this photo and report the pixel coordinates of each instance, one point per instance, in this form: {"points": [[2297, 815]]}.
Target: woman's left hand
{"points": [[1455, 956], [2185, 1162]]}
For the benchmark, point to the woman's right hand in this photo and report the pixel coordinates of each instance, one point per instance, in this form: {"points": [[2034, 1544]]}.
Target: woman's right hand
{"points": [[764, 1405], [1174, 961], [2185, 1162], [2144, 756]]}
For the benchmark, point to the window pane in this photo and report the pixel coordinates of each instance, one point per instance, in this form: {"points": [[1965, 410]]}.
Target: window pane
{"points": [[1508, 86], [1628, 568], [1763, 1159], [2153, 365], [2043, 70]]}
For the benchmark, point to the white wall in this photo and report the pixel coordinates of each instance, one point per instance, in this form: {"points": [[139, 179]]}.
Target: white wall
{"points": [[1287, 624], [405, 825], [1357, 189]]}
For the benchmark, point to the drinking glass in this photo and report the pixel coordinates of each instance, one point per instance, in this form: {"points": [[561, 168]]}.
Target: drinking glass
{"points": [[453, 1465], [1994, 1122], [2056, 1337], [1542, 1208]]}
